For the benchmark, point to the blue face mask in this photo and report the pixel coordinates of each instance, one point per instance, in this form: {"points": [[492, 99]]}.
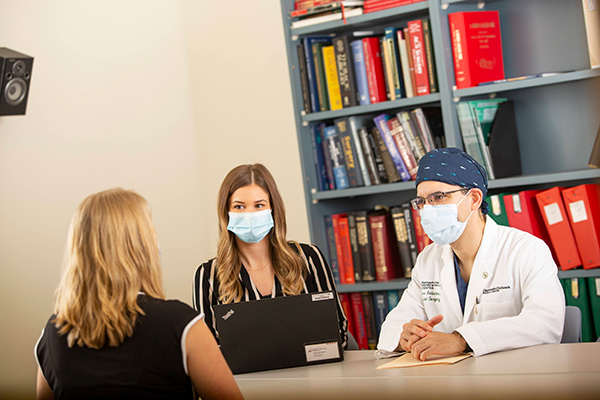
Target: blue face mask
{"points": [[250, 227], [441, 222]]}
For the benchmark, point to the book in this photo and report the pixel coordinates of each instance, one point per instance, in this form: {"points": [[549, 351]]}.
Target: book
{"points": [[594, 161], [436, 125], [403, 240], [381, 123], [365, 246], [430, 56], [310, 68], [374, 68], [503, 145], [344, 229], [359, 320], [303, 79], [411, 61], [337, 157], [354, 248], [347, 306], [405, 64], [370, 324], [422, 239], [381, 171], [333, 261], [345, 68], [403, 146], [381, 309], [583, 208], [388, 69], [368, 152], [412, 136], [476, 47], [345, 278], [410, 229], [319, 158], [393, 299], [303, 4], [469, 137], [331, 77], [485, 151], [381, 5], [336, 16], [327, 157], [392, 173], [355, 178], [424, 129], [385, 248], [417, 46], [360, 154], [323, 95], [591, 15], [360, 71], [391, 38], [323, 8], [557, 223], [485, 112]]}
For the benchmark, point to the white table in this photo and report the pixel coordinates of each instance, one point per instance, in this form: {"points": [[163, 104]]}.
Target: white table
{"points": [[561, 371]]}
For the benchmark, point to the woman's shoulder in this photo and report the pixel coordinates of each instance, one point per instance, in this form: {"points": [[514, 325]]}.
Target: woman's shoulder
{"points": [[205, 266], [167, 308], [309, 250]]}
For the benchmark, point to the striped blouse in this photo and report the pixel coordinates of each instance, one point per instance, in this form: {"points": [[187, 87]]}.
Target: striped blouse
{"points": [[318, 279]]}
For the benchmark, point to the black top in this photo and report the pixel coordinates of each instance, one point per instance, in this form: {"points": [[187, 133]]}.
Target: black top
{"points": [[318, 279], [148, 365]]}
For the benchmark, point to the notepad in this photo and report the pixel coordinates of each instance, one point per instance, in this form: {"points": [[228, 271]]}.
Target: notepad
{"points": [[407, 360]]}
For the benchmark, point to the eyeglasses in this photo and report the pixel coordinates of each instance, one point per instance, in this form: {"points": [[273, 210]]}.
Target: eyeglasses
{"points": [[434, 199]]}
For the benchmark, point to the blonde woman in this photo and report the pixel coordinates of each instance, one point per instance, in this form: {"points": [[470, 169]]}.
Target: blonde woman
{"points": [[113, 334], [254, 258]]}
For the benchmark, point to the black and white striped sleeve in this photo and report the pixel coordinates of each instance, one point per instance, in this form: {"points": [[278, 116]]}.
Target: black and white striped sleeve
{"points": [[205, 294]]}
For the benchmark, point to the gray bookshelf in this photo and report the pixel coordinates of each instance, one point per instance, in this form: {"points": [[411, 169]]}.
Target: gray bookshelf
{"points": [[557, 116]]}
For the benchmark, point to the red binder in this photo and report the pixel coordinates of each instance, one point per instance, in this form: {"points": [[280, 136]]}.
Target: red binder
{"points": [[583, 207], [524, 213], [559, 229]]}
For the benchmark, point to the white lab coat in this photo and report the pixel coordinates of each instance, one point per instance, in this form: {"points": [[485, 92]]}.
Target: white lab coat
{"points": [[514, 280]]}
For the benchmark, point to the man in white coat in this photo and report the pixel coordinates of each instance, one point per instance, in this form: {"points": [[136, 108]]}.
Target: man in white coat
{"points": [[479, 287]]}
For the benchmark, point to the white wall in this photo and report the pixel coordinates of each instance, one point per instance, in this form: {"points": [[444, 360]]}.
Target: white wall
{"points": [[163, 97]]}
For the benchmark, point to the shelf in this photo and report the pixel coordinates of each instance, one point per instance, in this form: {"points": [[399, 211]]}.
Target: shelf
{"points": [[527, 83], [395, 284], [361, 19], [372, 108], [492, 184], [579, 273]]}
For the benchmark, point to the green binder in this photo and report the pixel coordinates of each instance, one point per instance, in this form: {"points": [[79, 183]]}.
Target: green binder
{"points": [[497, 209], [594, 292], [576, 294]]}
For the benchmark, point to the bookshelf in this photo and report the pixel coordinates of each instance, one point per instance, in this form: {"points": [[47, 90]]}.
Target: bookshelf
{"points": [[557, 116]]}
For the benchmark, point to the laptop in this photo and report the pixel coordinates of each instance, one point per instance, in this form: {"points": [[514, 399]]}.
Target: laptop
{"points": [[279, 332]]}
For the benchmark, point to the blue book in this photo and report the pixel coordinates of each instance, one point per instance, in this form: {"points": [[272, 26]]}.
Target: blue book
{"points": [[380, 304], [391, 38], [310, 69], [381, 123], [337, 158], [319, 158], [360, 70], [393, 299], [326, 157], [333, 262]]}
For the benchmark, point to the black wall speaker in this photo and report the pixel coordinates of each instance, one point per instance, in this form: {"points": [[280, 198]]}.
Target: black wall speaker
{"points": [[15, 78]]}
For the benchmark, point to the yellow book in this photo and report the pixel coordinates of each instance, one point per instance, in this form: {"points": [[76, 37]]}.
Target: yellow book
{"points": [[331, 76], [389, 74]]}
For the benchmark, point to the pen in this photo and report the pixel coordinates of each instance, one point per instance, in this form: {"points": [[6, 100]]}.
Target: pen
{"points": [[476, 302]]}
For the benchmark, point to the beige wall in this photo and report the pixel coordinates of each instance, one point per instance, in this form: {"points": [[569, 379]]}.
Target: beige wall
{"points": [[163, 97]]}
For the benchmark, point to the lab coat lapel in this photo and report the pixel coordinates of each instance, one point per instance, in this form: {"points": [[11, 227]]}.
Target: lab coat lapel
{"points": [[449, 282], [483, 268]]}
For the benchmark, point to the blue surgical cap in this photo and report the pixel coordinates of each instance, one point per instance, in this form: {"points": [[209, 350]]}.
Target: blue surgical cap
{"points": [[454, 167]]}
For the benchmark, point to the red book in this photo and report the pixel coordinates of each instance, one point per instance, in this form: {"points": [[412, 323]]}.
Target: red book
{"points": [[523, 212], [374, 67], [303, 4], [335, 221], [422, 238], [583, 207], [406, 153], [411, 67], [559, 229], [359, 321], [347, 306], [476, 47], [417, 45], [379, 5], [370, 324], [346, 250], [385, 247]]}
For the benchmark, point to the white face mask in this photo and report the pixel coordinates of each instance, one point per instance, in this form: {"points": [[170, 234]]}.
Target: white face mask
{"points": [[441, 222]]}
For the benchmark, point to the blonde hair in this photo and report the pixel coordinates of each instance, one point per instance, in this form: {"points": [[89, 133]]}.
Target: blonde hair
{"points": [[287, 264], [112, 254]]}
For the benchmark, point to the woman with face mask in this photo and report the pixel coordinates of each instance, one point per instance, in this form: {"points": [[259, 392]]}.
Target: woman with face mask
{"points": [[479, 287], [254, 258]]}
